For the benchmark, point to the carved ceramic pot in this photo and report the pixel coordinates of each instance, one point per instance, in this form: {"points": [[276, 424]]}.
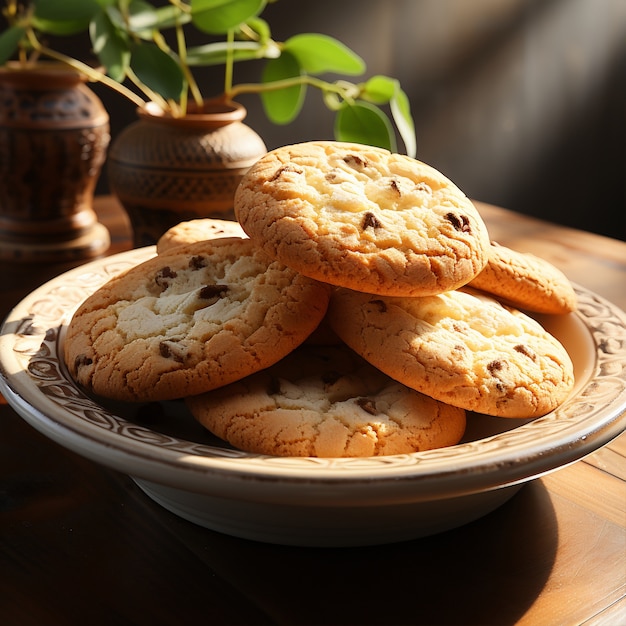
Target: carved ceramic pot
{"points": [[54, 133], [166, 170]]}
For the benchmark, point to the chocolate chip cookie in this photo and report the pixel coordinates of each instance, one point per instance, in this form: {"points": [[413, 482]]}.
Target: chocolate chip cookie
{"points": [[526, 281], [363, 218], [199, 229], [325, 401], [186, 322], [462, 348]]}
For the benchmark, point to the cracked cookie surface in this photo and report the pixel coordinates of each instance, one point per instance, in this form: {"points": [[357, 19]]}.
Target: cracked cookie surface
{"points": [[363, 218], [461, 348], [526, 281], [182, 323], [326, 401]]}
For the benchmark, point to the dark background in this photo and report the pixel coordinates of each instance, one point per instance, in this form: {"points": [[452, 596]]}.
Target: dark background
{"points": [[522, 103]]}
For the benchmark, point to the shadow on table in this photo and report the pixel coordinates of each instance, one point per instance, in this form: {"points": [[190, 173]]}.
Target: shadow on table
{"points": [[500, 564]]}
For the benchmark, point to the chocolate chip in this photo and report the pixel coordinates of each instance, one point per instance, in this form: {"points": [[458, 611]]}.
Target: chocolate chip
{"points": [[395, 186], [210, 292], [526, 351], [172, 350], [162, 277], [290, 167], [370, 220], [355, 160], [460, 223], [197, 262], [369, 406], [82, 360], [495, 366]]}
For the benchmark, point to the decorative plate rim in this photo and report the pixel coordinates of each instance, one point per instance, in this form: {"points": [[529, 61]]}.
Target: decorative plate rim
{"points": [[34, 380]]}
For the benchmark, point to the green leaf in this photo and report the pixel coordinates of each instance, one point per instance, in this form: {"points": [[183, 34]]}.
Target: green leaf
{"points": [[68, 27], [157, 70], [144, 18], [383, 90], [282, 105], [219, 16], [216, 53], [317, 54], [65, 17], [110, 46], [68, 11], [9, 41], [364, 123], [401, 112], [379, 89]]}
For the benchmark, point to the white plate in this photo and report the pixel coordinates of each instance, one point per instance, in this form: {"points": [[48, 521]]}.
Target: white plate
{"points": [[308, 501]]}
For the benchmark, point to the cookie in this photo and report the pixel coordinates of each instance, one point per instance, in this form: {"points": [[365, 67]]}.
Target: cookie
{"points": [[183, 323], [363, 218], [525, 281], [198, 230], [462, 348], [326, 402]]}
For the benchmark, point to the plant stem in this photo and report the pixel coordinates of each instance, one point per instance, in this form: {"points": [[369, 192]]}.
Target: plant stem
{"points": [[228, 69], [152, 95], [86, 70], [322, 85], [191, 81]]}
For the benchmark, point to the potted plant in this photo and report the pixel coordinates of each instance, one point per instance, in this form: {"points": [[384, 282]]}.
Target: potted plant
{"points": [[144, 55], [54, 133]]}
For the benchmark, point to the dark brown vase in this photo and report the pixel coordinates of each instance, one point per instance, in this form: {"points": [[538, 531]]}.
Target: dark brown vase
{"points": [[54, 132], [166, 170]]}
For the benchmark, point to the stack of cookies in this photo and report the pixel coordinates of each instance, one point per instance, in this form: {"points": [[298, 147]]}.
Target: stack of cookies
{"points": [[357, 308]]}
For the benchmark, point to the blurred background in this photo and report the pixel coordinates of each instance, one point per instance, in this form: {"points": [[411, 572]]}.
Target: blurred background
{"points": [[522, 103]]}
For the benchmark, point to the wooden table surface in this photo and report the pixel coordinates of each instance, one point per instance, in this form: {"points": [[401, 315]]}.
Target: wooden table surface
{"points": [[80, 544]]}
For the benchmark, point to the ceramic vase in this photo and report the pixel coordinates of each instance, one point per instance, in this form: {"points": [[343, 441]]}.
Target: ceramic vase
{"points": [[54, 133], [165, 170]]}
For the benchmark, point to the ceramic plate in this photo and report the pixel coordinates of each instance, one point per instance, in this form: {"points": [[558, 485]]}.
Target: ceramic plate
{"points": [[308, 501]]}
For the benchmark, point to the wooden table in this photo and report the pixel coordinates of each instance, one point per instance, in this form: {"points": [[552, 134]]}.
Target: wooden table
{"points": [[80, 544]]}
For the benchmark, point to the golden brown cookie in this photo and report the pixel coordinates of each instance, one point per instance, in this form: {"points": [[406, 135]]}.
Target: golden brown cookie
{"points": [[198, 230], [464, 349], [525, 281], [326, 402], [183, 323], [364, 218]]}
